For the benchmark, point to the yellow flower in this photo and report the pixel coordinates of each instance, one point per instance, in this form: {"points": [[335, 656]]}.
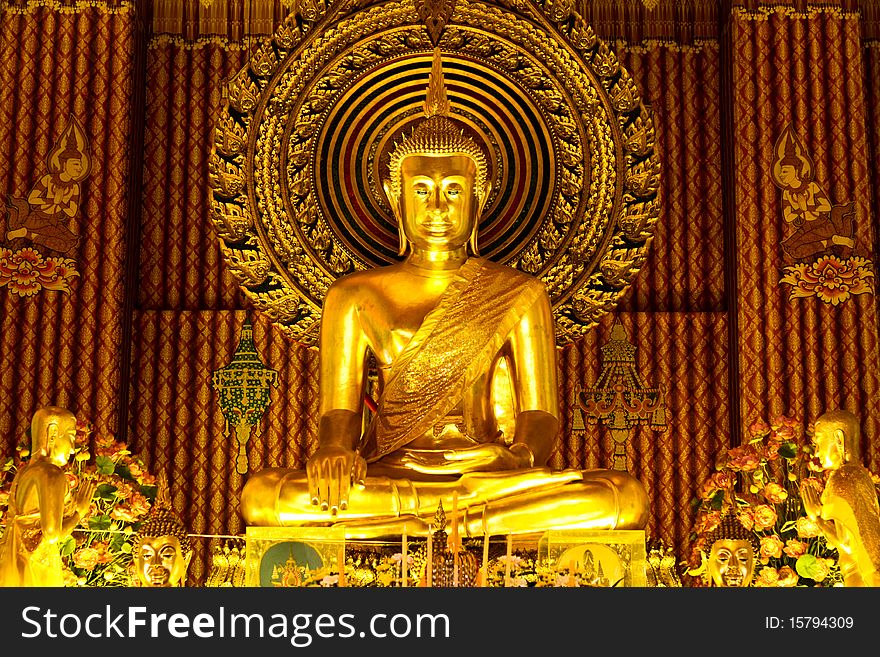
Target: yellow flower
{"points": [[806, 528], [787, 577], [774, 493], [768, 576], [765, 516], [771, 548], [795, 548]]}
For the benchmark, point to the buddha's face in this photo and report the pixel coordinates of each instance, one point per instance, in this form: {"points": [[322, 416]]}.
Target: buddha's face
{"points": [[731, 562], [160, 561], [828, 440], [438, 205]]}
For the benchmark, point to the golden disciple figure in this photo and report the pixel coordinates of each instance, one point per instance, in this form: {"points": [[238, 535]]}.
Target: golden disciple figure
{"points": [[442, 326], [847, 512], [162, 548], [731, 554], [41, 513]]}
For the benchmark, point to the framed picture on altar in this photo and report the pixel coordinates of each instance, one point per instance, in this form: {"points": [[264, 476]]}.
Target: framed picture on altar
{"points": [[292, 556], [596, 558]]}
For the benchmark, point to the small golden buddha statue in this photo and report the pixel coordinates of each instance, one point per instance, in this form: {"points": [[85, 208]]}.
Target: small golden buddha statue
{"points": [[161, 547], [444, 326], [731, 554], [41, 511], [847, 511]]}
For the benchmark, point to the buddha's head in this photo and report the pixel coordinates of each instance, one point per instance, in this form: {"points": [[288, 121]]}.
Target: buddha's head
{"points": [[53, 432], [836, 438], [438, 178], [732, 554], [161, 547]]}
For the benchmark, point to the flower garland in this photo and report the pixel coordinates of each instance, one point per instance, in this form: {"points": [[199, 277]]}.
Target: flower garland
{"points": [[760, 482], [98, 552]]}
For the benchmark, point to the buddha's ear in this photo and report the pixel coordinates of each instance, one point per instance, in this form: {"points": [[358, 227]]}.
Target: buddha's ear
{"points": [[394, 201], [482, 198]]}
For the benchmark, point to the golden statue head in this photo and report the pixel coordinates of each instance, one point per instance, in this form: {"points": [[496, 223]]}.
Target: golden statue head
{"points": [[161, 547], [732, 554], [438, 177], [836, 438], [53, 432]]}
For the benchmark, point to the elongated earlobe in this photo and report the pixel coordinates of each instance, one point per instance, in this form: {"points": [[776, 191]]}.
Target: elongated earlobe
{"points": [[394, 202], [481, 204], [472, 242], [402, 242]]}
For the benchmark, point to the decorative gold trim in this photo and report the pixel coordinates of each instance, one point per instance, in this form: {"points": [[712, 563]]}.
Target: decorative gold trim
{"points": [[103, 6], [647, 45], [764, 12], [159, 40]]}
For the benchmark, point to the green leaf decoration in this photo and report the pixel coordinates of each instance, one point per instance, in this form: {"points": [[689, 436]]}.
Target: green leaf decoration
{"points": [[106, 491], [150, 492], [717, 500], [124, 472], [806, 566], [105, 465], [100, 523], [788, 450], [68, 546]]}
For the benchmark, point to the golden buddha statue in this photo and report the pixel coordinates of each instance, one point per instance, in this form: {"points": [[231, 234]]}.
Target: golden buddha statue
{"points": [[161, 547], [731, 554], [41, 511], [448, 331], [847, 511]]}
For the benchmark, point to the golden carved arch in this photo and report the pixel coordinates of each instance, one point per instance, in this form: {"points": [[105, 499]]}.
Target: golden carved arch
{"points": [[296, 167]]}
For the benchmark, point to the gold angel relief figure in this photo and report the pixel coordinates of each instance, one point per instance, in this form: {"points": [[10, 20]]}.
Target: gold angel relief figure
{"points": [[44, 221], [820, 244]]}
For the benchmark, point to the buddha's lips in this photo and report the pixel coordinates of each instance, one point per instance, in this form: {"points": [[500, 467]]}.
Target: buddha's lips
{"points": [[437, 225]]}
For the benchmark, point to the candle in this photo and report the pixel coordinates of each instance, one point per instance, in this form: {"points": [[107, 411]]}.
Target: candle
{"points": [[340, 560], [454, 537], [485, 581], [403, 559], [429, 563], [508, 560]]}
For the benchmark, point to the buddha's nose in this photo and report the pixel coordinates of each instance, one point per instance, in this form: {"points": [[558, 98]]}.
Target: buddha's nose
{"points": [[438, 203]]}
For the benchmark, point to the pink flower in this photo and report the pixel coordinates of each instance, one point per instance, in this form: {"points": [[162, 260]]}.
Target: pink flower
{"points": [[86, 558], [787, 577], [707, 522], [806, 528], [795, 548], [759, 428], [771, 548], [774, 493], [743, 459], [768, 576], [746, 518], [765, 517]]}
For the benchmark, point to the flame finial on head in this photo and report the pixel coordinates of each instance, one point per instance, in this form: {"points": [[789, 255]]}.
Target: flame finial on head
{"points": [[437, 134]]}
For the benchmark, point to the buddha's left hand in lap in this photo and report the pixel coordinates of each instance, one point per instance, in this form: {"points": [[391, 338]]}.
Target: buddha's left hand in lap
{"points": [[490, 457]]}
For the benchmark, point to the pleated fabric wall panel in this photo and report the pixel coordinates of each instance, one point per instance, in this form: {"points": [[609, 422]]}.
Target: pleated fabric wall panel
{"points": [[801, 356], [685, 267], [63, 64]]}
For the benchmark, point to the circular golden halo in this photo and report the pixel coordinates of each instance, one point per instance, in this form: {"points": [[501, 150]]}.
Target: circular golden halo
{"points": [[296, 166]]}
